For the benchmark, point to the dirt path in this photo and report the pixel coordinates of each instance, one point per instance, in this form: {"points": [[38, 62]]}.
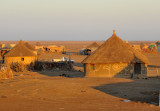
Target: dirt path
{"points": [[55, 93]]}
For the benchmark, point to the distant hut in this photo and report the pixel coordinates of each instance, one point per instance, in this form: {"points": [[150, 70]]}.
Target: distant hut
{"points": [[55, 49], [8, 46], [29, 46], [136, 47], [153, 48], [89, 49], [144, 47], [115, 58], [93, 46], [21, 54], [158, 46]]}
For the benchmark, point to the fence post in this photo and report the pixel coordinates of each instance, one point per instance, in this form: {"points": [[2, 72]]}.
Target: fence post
{"points": [[159, 98]]}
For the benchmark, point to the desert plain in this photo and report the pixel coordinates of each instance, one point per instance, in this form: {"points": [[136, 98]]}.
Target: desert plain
{"points": [[49, 90]]}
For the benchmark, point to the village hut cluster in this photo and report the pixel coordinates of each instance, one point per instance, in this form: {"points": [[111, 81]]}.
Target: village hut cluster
{"points": [[114, 58], [23, 56], [144, 48]]}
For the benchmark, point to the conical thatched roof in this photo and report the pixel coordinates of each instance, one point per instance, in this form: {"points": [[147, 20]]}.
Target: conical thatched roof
{"points": [[20, 50], [114, 50], [94, 44], [29, 46]]}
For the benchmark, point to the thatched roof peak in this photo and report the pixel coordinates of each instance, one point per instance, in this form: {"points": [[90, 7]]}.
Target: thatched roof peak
{"points": [[29, 46], [115, 50], [114, 32], [94, 44]]}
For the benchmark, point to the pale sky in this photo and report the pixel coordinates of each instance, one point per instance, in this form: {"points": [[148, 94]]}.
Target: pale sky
{"points": [[79, 19]]}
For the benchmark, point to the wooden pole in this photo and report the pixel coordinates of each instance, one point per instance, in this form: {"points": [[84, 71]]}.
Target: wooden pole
{"points": [[159, 98]]}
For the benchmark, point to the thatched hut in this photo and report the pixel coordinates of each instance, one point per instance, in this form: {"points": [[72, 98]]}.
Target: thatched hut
{"points": [[158, 46], [89, 49], [136, 47], [8, 46], [152, 48], [55, 49], [93, 46], [115, 58], [21, 54], [29, 46], [144, 47]]}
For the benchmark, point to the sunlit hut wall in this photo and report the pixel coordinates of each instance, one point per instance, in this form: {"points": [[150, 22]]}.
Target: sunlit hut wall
{"points": [[21, 54], [115, 58]]}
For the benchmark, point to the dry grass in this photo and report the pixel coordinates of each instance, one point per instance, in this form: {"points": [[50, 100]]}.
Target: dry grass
{"points": [[5, 72]]}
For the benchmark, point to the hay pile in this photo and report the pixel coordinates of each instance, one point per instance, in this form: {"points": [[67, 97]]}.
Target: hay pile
{"points": [[5, 72]]}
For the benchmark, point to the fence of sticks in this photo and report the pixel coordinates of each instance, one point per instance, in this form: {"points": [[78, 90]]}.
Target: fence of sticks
{"points": [[39, 65]]}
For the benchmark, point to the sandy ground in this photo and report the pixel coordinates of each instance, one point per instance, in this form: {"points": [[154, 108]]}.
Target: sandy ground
{"points": [[46, 91]]}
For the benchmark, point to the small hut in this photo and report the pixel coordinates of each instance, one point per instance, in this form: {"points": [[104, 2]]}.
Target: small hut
{"points": [[29, 46], [158, 46], [55, 49], [136, 47], [144, 47], [115, 58], [89, 49], [93, 46], [153, 48], [21, 54]]}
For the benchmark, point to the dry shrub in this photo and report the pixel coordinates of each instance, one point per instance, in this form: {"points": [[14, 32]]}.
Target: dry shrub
{"points": [[5, 72], [20, 67]]}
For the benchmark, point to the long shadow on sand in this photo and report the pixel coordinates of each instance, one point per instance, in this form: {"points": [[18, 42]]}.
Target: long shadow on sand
{"points": [[138, 90], [68, 74]]}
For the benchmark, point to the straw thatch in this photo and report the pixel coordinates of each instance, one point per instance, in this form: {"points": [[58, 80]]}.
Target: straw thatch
{"points": [[94, 44], [29, 46], [20, 50], [114, 50]]}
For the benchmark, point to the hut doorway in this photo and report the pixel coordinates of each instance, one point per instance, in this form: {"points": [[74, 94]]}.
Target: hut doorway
{"points": [[137, 68]]}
